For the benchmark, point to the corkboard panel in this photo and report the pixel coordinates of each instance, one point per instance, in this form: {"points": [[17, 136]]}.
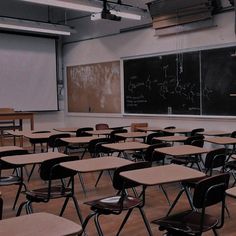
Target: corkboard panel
{"points": [[94, 88]]}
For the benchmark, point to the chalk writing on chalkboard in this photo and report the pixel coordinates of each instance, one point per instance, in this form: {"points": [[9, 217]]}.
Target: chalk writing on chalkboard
{"points": [[193, 83], [161, 84]]}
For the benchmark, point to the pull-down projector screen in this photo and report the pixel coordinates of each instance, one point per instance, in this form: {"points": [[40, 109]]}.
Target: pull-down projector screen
{"points": [[28, 73]]}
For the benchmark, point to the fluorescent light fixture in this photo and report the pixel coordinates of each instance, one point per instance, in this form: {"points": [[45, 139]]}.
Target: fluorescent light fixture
{"points": [[127, 15], [69, 4], [88, 6], [32, 26]]}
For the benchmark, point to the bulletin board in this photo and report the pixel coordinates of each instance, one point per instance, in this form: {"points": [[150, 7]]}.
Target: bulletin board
{"points": [[94, 88]]}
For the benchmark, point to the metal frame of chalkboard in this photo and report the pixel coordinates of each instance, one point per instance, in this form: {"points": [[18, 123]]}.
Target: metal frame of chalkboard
{"points": [[211, 73]]}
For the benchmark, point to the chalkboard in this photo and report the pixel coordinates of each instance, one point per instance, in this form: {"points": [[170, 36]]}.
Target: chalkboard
{"points": [[188, 83]]}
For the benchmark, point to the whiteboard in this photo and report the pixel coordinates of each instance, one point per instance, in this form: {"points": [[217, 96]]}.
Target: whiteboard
{"points": [[28, 73]]}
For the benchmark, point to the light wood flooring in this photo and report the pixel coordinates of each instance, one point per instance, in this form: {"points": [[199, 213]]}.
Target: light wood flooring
{"points": [[156, 206]]}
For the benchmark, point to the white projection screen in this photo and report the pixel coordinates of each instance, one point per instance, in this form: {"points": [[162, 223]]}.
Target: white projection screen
{"points": [[28, 73]]}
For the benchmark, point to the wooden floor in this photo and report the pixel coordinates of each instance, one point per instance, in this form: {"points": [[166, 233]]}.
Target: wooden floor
{"points": [[156, 206]]}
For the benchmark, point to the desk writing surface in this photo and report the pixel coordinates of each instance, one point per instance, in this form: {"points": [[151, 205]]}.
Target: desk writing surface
{"points": [[96, 164], [174, 138], [66, 129], [215, 133], [125, 146], [38, 224], [231, 192], [221, 140], [100, 132], [132, 135], [182, 150], [79, 140], [34, 158], [9, 148], [162, 174], [149, 128], [178, 130]]}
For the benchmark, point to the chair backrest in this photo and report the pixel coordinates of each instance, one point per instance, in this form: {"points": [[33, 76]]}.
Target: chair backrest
{"points": [[101, 126], [4, 165], [170, 127], [149, 139], [81, 132], [119, 183], [208, 192], [233, 134], [157, 156], [196, 131], [95, 146], [215, 159], [197, 140], [51, 170], [55, 141], [114, 138], [1, 206], [211, 190]]}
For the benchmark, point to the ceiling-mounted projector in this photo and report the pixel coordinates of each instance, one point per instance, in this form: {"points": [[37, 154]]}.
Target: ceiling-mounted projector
{"points": [[105, 15]]}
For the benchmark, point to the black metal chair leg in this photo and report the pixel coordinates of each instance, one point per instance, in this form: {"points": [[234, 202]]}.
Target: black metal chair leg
{"points": [[17, 196], [87, 220], [82, 183], [145, 220], [165, 193], [99, 177], [98, 227], [31, 172], [78, 209], [175, 201], [124, 221], [64, 206], [28, 207], [20, 208]]}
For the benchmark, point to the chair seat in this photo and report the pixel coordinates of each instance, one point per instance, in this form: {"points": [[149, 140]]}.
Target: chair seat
{"points": [[186, 222], [231, 165], [8, 180], [112, 204], [41, 194]]}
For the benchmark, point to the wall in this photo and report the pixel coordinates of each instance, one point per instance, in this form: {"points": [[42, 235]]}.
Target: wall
{"points": [[143, 42]]}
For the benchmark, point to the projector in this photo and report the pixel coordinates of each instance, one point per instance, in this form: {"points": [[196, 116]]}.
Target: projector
{"points": [[106, 16]]}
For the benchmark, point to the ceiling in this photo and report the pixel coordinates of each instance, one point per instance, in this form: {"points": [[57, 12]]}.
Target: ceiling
{"points": [[80, 21]]}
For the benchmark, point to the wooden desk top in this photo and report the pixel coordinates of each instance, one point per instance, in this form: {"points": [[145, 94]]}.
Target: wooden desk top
{"points": [[182, 150], [125, 146], [100, 132], [79, 140], [178, 130], [215, 133], [174, 138], [35, 158], [10, 148], [38, 224], [132, 135], [162, 174], [67, 129], [145, 129], [231, 192], [221, 140], [96, 164]]}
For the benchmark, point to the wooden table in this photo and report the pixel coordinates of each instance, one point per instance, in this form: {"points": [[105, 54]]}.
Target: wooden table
{"points": [[96, 164], [221, 140], [174, 138], [100, 132], [66, 129], [231, 192], [178, 130], [159, 175], [79, 140], [215, 133], [35, 158], [38, 224], [146, 129], [127, 135], [19, 116], [9, 148], [123, 147], [182, 150]]}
